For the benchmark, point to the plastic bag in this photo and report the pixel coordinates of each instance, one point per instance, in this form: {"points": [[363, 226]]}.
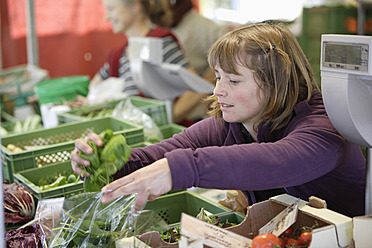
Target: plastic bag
{"points": [[108, 90], [127, 111], [86, 222]]}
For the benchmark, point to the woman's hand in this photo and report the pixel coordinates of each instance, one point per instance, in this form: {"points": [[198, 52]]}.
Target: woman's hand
{"points": [[81, 145], [149, 182]]}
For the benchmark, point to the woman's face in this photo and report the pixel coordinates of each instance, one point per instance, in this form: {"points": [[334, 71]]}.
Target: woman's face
{"points": [[119, 15], [239, 96]]}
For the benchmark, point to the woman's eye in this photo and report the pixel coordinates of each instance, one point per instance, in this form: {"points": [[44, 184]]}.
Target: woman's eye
{"points": [[218, 78], [234, 81]]}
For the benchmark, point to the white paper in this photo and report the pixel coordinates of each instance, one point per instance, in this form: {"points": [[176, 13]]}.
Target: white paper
{"points": [[282, 221], [130, 242], [146, 49], [196, 231], [168, 81]]}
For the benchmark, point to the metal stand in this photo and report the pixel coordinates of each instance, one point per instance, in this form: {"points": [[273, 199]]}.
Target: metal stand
{"points": [[169, 109], [369, 182]]}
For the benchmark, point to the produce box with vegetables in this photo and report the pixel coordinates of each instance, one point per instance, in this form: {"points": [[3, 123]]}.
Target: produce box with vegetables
{"points": [[171, 206], [86, 222], [32, 122], [172, 237], [156, 109], [55, 180], [48, 146], [222, 220], [314, 227]]}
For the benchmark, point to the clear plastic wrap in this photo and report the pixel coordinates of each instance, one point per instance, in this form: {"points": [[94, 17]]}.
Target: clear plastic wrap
{"points": [[86, 222], [108, 90], [127, 111]]}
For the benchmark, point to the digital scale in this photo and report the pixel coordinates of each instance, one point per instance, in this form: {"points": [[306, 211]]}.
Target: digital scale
{"points": [[346, 75], [159, 80]]}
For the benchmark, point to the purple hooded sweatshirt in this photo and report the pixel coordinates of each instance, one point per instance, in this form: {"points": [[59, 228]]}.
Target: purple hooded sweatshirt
{"points": [[307, 158]]}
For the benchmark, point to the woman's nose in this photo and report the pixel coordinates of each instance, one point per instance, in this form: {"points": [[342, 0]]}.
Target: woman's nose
{"points": [[218, 89]]}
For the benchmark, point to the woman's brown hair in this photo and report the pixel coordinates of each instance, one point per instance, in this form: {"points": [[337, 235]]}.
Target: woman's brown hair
{"points": [[278, 63], [154, 10]]}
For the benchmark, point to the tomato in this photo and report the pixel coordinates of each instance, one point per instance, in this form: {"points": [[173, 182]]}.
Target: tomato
{"points": [[291, 242], [288, 232], [283, 242], [265, 240], [305, 238]]}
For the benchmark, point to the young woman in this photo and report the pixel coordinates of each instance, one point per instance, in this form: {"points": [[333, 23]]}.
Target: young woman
{"points": [[270, 133]]}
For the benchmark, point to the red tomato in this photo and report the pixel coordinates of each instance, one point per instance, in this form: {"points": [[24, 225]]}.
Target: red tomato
{"points": [[283, 242], [288, 232], [305, 238], [265, 240], [291, 242]]}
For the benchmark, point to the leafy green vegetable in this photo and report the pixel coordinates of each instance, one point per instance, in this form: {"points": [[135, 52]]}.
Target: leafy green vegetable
{"points": [[105, 161], [202, 215], [114, 154], [59, 182], [89, 223], [57, 179], [71, 178]]}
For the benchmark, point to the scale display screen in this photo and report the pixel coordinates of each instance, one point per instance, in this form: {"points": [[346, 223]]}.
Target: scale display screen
{"points": [[345, 56]]}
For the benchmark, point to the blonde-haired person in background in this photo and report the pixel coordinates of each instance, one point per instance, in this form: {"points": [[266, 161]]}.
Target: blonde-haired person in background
{"points": [[270, 133], [196, 35], [135, 18]]}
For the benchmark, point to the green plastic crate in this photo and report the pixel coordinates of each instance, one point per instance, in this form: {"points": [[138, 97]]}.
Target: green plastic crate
{"points": [[60, 89], [170, 206], [30, 178], [142, 144], [170, 129], [233, 217], [156, 109], [54, 145]]}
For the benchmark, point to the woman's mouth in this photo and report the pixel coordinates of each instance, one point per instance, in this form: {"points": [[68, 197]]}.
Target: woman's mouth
{"points": [[225, 106]]}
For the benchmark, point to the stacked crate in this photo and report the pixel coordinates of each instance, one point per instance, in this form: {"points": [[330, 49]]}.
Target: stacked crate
{"points": [[52, 148]]}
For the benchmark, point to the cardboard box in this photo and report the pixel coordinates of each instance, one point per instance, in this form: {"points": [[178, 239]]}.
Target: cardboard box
{"points": [[335, 230]]}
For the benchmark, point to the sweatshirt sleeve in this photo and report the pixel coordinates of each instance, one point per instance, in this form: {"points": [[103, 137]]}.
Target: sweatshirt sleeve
{"points": [[310, 148], [198, 135]]}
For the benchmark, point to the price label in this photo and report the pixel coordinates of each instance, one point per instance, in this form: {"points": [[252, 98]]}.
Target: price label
{"points": [[195, 233], [282, 221]]}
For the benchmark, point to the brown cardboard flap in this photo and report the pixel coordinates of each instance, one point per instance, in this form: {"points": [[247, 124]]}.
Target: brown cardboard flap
{"points": [[257, 216], [261, 213]]}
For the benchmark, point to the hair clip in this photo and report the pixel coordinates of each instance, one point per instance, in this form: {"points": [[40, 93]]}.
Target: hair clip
{"points": [[273, 48]]}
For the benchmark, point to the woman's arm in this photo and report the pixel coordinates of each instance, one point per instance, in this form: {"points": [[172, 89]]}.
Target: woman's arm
{"points": [[97, 79], [303, 155], [203, 133], [185, 104]]}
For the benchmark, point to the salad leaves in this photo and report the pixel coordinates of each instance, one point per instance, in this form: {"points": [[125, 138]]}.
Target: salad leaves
{"points": [[105, 160]]}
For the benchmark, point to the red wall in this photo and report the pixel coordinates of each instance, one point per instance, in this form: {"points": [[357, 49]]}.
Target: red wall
{"points": [[73, 37]]}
